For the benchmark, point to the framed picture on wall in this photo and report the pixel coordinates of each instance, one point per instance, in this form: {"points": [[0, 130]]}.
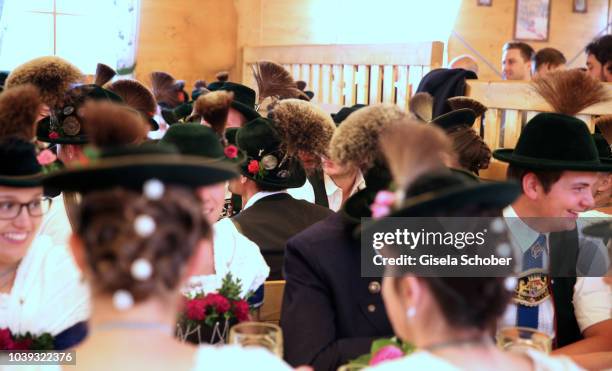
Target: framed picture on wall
{"points": [[532, 20], [579, 6], [484, 2]]}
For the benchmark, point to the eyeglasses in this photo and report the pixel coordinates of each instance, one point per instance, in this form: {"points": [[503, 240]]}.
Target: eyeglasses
{"points": [[11, 209]]}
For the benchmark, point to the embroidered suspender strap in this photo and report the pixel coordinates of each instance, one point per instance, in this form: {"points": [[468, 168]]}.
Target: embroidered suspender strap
{"points": [[533, 288]]}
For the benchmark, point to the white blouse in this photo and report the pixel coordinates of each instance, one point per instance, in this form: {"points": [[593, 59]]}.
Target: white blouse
{"points": [[427, 361], [235, 357], [55, 223], [234, 253], [48, 294]]}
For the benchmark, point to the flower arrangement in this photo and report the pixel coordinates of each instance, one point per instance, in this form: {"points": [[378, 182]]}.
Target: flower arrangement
{"points": [[10, 341], [208, 317], [382, 350]]}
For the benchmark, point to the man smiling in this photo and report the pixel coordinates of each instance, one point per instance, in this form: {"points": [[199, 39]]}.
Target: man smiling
{"points": [[556, 163]]}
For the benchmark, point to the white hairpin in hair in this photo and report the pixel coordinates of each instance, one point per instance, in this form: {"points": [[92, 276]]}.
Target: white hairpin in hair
{"points": [[510, 283], [503, 249], [153, 189], [144, 225], [141, 269], [123, 300]]}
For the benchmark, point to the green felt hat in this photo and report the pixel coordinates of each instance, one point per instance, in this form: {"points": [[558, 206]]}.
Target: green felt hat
{"points": [[64, 125], [132, 166], [19, 167], [198, 140], [244, 99], [175, 115], [553, 141], [457, 118], [266, 164]]}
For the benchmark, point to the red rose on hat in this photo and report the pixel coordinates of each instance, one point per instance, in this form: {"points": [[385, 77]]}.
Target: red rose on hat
{"points": [[231, 151], [53, 135], [253, 167]]}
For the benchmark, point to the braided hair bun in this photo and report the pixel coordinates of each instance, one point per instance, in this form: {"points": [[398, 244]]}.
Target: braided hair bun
{"points": [[113, 241]]}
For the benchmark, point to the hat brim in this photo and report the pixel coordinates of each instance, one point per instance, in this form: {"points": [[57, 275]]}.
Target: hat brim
{"points": [[486, 195], [133, 171], [507, 155], [64, 140], [25, 181], [457, 118], [295, 180], [247, 112]]}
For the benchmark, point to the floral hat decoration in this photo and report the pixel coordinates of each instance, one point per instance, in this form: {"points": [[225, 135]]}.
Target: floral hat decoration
{"points": [[64, 125], [266, 163]]}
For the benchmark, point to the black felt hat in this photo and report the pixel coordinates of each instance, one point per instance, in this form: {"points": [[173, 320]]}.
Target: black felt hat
{"points": [[553, 141], [266, 163], [344, 112], [457, 118], [64, 125], [244, 98], [441, 191], [132, 166], [19, 167], [198, 140]]}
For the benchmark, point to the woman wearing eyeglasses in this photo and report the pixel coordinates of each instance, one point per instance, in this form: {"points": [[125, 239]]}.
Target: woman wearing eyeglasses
{"points": [[40, 286]]}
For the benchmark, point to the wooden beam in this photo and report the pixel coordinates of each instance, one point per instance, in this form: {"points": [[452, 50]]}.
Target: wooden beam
{"points": [[428, 54], [518, 95]]}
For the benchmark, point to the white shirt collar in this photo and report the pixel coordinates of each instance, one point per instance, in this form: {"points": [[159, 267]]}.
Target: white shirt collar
{"points": [[258, 196], [520, 233], [331, 187]]}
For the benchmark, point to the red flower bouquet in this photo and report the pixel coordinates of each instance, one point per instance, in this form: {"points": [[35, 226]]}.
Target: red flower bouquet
{"points": [[207, 318], [10, 341]]}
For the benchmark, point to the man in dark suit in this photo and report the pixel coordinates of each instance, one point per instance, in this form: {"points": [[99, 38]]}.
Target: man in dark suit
{"points": [[330, 313], [270, 216]]}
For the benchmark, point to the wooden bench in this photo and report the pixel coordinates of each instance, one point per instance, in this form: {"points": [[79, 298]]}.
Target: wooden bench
{"points": [[270, 310]]}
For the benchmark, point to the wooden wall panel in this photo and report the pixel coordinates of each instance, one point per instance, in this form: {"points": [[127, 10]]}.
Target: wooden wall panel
{"points": [[190, 39], [569, 32]]}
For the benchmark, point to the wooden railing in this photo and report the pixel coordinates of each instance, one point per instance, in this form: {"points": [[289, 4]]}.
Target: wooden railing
{"points": [[510, 106], [343, 75]]}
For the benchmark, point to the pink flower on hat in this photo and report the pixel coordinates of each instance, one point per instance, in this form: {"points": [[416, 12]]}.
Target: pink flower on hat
{"points": [[46, 157], [53, 135], [231, 151], [386, 353]]}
